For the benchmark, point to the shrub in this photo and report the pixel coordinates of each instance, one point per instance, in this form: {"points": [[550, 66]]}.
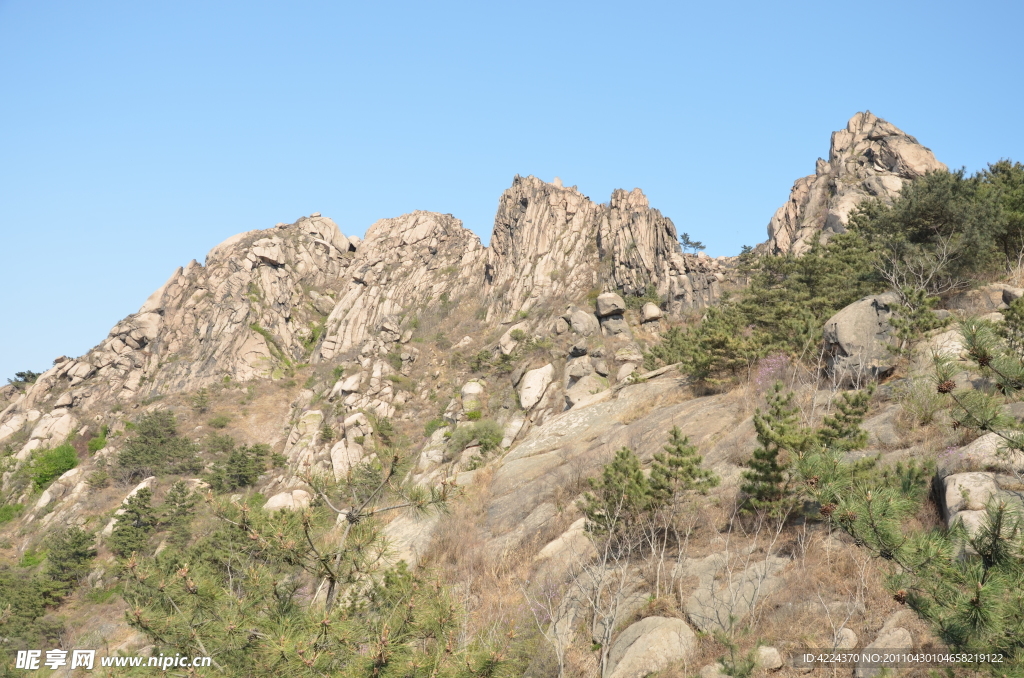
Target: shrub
{"points": [[9, 512], [781, 439], [783, 310], [220, 421], [200, 401], [433, 425], [157, 448], [635, 302], [486, 432], [177, 513], [474, 415], [49, 465], [97, 443]]}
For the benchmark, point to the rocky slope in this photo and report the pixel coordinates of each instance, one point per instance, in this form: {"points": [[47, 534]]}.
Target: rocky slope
{"points": [[871, 158], [315, 343]]}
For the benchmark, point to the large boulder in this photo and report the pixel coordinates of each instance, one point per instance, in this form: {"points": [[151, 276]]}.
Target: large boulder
{"points": [[294, 500], [857, 339], [533, 385], [582, 322], [649, 646], [610, 303], [650, 312], [986, 298]]}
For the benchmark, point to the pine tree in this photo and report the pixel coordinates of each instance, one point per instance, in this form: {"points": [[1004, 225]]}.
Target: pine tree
{"points": [[157, 448], [134, 526], [782, 439], [620, 496], [913, 317], [678, 469], [842, 430], [69, 556], [177, 513]]}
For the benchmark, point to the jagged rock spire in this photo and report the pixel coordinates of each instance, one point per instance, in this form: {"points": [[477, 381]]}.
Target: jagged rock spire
{"points": [[871, 158]]}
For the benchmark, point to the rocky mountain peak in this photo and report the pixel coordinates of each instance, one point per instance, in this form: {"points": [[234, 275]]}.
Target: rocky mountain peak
{"points": [[552, 241], [871, 158]]}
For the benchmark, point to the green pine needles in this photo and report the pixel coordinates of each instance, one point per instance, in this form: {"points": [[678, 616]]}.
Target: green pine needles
{"points": [[781, 439], [623, 496]]}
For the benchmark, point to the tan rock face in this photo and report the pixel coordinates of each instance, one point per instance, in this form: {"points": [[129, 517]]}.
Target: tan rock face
{"points": [[550, 242], [871, 158], [414, 261]]}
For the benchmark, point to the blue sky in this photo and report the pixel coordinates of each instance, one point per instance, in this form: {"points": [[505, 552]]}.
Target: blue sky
{"points": [[134, 136]]}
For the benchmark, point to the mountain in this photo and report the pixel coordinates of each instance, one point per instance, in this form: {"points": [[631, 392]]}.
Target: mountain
{"points": [[509, 381]]}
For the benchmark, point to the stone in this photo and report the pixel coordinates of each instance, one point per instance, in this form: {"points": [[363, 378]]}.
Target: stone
{"points": [[716, 670], [846, 639], [601, 367], [857, 340], [987, 298], [294, 500], [987, 453], [610, 303], [507, 344], [584, 323], [533, 385], [614, 325], [552, 243], [579, 348], [584, 387], [624, 371], [630, 353], [891, 638], [577, 369], [561, 326], [472, 389], [769, 658], [871, 158], [723, 598], [650, 645], [650, 312]]}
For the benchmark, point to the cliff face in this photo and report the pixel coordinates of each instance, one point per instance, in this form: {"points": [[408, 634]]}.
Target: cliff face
{"points": [[871, 158], [553, 242]]}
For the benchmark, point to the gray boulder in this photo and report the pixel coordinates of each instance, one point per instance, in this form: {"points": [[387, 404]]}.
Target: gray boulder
{"points": [[857, 339], [610, 303], [649, 646], [583, 323], [650, 312], [613, 325], [533, 385]]}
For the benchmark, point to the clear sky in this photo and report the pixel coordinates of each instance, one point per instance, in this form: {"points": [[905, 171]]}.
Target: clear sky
{"points": [[134, 136]]}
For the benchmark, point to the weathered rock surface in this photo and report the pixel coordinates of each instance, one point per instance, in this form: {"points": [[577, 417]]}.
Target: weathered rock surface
{"points": [[857, 339], [871, 158], [650, 645], [548, 241], [893, 637], [533, 385]]}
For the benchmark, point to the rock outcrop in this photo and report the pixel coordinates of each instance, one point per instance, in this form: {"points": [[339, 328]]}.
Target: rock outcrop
{"points": [[871, 158], [553, 242]]}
